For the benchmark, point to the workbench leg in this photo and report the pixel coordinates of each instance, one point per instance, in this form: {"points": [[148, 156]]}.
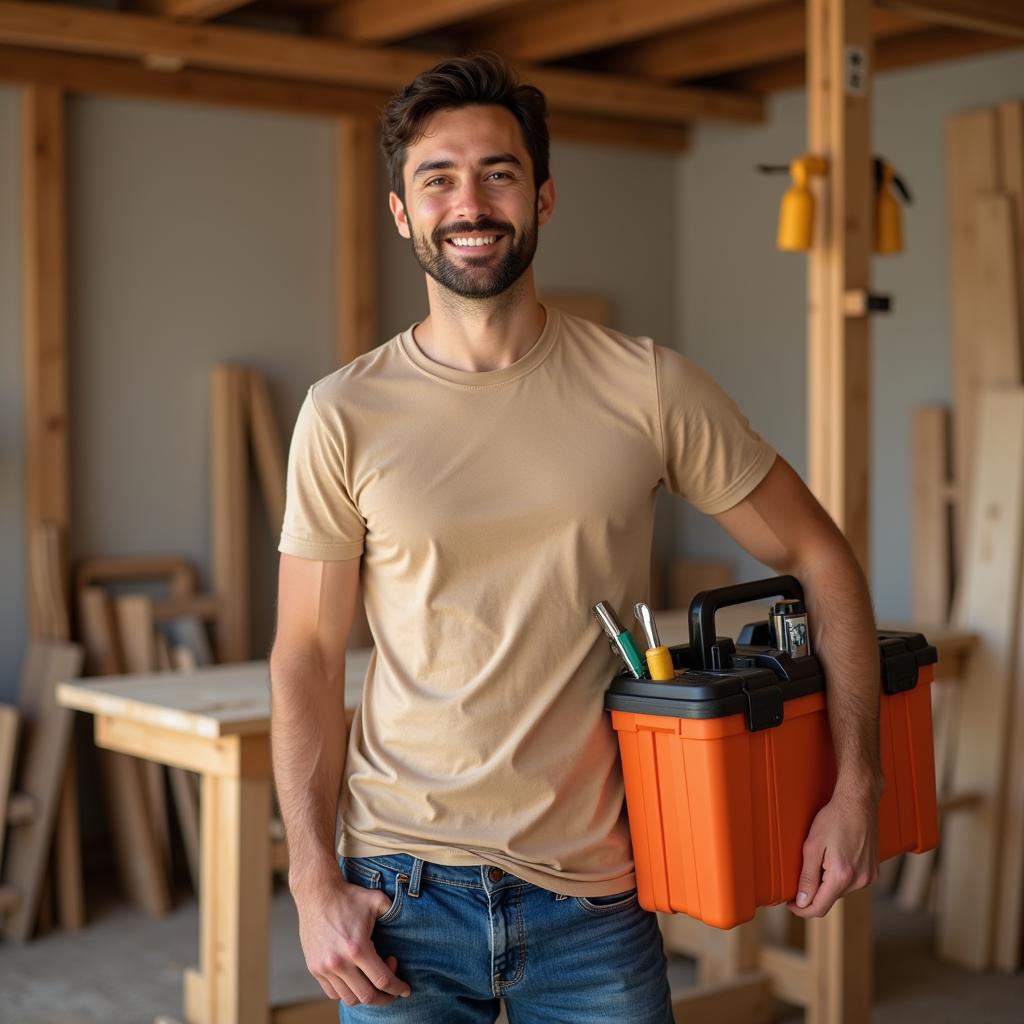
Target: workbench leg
{"points": [[235, 900], [842, 968]]}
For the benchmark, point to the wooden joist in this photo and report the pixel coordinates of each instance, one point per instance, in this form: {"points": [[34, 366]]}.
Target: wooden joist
{"points": [[932, 556], [996, 16], [74, 29], [370, 21], [8, 749], [774, 33], [558, 30]]}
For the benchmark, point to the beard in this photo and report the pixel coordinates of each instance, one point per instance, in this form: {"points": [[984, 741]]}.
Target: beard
{"points": [[480, 277]]}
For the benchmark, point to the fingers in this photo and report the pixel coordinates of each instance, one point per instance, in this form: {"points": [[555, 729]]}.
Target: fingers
{"points": [[810, 874], [833, 885], [380, 974]]}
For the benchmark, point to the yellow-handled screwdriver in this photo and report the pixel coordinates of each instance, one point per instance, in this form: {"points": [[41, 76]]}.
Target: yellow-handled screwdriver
{"points": [[659, 660]]}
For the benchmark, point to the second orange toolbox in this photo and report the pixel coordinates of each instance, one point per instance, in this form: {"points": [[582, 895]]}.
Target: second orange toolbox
{"points": [[726, 766]]}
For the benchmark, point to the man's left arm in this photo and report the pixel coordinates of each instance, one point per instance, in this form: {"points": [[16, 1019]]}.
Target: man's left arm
{"points": [[781, 524]]}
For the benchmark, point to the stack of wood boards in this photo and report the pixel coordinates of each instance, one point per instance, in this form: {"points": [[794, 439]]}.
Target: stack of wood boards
{"points": [[981, 883]]}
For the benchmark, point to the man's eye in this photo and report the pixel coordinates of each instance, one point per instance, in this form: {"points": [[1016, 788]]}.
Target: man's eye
{"points": [[500, 174], [432, 181]]}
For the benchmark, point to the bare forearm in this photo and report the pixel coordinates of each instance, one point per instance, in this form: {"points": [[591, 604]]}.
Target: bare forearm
{"points": [[308, 740], [844, 637]]}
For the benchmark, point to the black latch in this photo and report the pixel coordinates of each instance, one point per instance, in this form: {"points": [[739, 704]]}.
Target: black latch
{"points": [[764, 705], [899, 670]]}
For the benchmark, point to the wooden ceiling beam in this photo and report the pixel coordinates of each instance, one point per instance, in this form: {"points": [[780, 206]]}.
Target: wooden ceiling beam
{"points": [[371, 21], [111, 77], [191, 10], [997, 17], [570, 27], [743, 40], [170, 45], [927, 46]]}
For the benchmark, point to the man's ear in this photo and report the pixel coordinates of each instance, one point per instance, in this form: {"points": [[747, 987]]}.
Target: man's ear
{"points": [[398, 212], [546, 201]]}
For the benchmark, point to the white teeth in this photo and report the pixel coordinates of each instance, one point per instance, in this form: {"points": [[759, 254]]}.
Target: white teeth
{"points": [[466, 242]]}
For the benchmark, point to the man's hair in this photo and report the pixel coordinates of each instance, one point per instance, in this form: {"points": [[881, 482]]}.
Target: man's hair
{"points": [[480, 78]]}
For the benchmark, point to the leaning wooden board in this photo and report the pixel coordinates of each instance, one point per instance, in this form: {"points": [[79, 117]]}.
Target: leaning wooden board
{"points": [[987, 604], [47, 735]]}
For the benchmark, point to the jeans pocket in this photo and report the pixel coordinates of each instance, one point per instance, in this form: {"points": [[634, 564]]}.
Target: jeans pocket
{"points": [[361, 871], [607, 904]]}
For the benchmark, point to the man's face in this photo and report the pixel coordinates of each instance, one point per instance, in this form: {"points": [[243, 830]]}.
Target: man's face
{"points": [[470, 205]]}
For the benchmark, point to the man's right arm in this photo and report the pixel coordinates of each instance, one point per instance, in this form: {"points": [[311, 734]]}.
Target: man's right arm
{"points": [[316, 605]]}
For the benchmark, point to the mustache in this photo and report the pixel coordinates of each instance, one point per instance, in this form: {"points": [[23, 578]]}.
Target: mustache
{"points": [[499, 227]]}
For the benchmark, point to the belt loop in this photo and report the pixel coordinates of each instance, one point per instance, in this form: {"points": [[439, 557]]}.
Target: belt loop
{"points": [[414, 877]]}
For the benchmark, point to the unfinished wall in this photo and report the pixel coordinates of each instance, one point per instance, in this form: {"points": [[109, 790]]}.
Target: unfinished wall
{"points": [[740, 303], [199, 235]]}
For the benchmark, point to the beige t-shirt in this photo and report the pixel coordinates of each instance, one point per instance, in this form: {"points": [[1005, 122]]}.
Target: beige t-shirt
{"points": [[492, 510]]}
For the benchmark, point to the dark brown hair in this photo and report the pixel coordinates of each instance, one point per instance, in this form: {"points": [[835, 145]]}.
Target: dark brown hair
{"points": [[480, 78]]}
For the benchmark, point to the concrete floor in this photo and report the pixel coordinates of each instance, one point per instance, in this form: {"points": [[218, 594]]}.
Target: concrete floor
{"points": [[125, 968]]}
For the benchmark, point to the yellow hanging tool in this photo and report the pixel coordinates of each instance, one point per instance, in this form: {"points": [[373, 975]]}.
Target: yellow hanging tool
{"points": [[796, 214], [888, 215]]}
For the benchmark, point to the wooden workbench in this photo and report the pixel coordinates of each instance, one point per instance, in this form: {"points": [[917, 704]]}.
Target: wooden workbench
{"points": [[216, 721]]}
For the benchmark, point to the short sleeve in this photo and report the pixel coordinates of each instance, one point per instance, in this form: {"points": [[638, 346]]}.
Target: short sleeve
{"points": [[711, 455], [321, 520]]}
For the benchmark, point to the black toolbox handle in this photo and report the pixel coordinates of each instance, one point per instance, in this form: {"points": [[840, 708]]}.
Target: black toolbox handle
{"points": [[705, 604]]}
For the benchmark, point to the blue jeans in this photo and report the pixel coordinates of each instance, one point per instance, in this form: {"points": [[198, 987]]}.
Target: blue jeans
{"points": [[468, 937]]}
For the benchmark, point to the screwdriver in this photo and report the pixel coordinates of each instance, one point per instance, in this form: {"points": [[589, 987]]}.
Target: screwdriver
{"points": [[659, 661], [621, 640]]}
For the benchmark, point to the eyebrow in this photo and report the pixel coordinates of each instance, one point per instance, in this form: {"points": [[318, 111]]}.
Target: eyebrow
{"points": [[447, 165]]}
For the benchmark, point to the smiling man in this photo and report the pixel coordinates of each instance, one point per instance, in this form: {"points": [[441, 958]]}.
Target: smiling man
{"points": [[487, 475]]}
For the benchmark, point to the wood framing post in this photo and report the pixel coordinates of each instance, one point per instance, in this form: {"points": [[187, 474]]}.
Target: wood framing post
{"points": [[839, 61], [45, 332], [356, 236]]}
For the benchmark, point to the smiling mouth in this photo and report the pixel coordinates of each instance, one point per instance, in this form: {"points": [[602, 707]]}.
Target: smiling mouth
{"points": [[473, 243]]}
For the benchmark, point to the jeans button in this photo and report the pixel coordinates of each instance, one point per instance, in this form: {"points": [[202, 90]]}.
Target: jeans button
{"points": [[495, 874]]}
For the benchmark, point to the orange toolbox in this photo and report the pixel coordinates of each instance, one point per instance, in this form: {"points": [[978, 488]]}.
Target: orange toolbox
{"points": [[726, 766]]}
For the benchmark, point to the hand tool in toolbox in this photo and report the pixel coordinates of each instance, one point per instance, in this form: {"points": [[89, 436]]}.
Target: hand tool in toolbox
{"points": [[726, 765]]}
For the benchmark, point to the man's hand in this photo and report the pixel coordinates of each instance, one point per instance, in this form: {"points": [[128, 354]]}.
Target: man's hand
{"points": [[840, 853], [336, 920]]}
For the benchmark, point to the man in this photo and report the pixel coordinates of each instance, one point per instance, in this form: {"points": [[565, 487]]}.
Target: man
{"points": [[489, 475]]}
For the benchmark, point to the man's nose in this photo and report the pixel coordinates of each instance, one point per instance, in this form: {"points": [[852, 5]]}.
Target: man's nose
{"points": [[472, 201]]}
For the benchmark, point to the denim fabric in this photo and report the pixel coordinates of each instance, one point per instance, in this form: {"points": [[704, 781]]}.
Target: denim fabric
{"points": [[464, 942]]}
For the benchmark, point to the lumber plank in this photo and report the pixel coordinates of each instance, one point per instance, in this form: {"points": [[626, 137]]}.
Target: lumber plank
{"points": [[179, 574], [930, 515], [369, 21], [745, 998], [45, 744], [1010, 118], [138, 855], [137, 630], [267, 446], [248, 51], [8, 751], [68, 851], [49, 581], [998, 326], [971, 169], [44, 330], [988, 604], [996, 16], [229, 490]]}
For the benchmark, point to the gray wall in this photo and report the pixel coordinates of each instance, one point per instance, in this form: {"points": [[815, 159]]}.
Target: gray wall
{"points": [[740, 303], [199, 235]]}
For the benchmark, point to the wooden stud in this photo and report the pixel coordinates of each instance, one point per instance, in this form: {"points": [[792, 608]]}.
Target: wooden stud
{"points": [[44, 329], [48, 734], [8, 749], [267, 449], [179, 574], [229, 489], [746, 998], [996, 16], [356, 237], [1010, 118], [988, 604]]}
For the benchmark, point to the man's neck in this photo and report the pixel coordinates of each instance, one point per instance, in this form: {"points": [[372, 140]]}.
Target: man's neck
{"points": [[480, 334]]}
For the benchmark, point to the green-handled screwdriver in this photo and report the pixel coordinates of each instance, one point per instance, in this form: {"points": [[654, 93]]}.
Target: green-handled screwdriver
{"points": [[621, 639]]}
